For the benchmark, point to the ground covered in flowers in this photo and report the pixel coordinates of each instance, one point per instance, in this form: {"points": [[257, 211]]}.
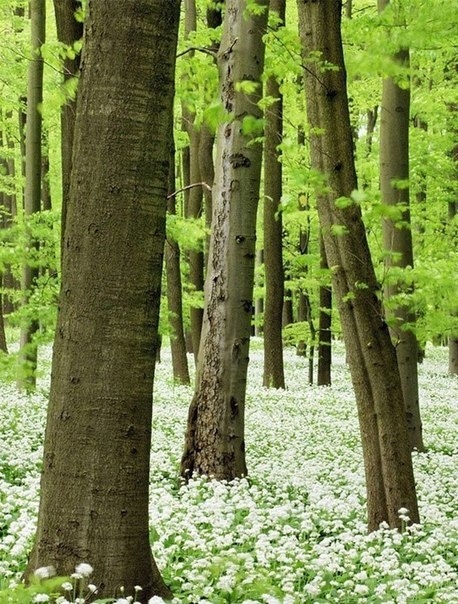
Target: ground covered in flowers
{"points": [[294, 531]]}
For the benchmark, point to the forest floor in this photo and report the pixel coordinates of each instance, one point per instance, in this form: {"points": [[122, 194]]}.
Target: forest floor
{"points": [[294, 531]]}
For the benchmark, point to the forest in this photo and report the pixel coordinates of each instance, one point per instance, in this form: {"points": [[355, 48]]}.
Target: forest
{"points": [[228, 301]]}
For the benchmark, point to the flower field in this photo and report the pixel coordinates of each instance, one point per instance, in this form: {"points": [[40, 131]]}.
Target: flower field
{"points": [[294, 530]]}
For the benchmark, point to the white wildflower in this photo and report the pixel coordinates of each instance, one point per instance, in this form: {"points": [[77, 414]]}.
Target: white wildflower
{"points": [[44, 572], [41, 598], [84, 569]]}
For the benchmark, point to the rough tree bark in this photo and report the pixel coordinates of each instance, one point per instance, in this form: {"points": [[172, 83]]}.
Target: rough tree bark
{"points": [[215, 440], [94, 489], [274, 375], [372, 359], [397, 236]]}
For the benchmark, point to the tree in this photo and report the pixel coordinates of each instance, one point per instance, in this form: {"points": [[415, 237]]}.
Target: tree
{"points": [[397, 236], [174, 288], [215, 440], [273, 259], [324, 328], [94, 489], [371, 355], [69, 32], [32, 196]]}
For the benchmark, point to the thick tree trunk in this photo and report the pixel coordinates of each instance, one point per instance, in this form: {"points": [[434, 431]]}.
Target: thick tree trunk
{"points": [[215, 439], [397, 237], [375, 375], [174, 290], [69, 31], [324, 328], [32, 196], [274, 375], [94, 489]]}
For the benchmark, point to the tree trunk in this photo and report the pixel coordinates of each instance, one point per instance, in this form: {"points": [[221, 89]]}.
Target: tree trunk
{"points": [[274, 375], [194, 197], [32, 196], [174, 290], [69, 31], [453, 339], [375, 375], [324, 327], [397, 237], [94, 489], [215, 440]]}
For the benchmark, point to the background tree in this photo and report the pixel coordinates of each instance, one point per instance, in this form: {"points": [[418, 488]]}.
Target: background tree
{"points": [[273, 228], [32, 196], [94, 490], [215, 440], [174, 287], [371, 356], [69, 33], [397, 234]]}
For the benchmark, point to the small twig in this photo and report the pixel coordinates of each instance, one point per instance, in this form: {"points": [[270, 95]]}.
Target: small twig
{"points": [[195, 184], [206, 51]]}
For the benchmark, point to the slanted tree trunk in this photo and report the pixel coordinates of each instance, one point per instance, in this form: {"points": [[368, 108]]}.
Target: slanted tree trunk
{"points": [[274, 375], [397, 237], [94, 489], [324, 327], [215, 439], [32, 196], [69, 31], [371, 355], [174, 289]]}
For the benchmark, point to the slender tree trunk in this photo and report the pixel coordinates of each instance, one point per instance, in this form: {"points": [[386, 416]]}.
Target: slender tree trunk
{"points": [[215, 439], [274, 375], [175, 290], [10, 283], [69, 31], [324, 328], [194, 197], [453, 339], [287, 315], [94, 490], [397, 237], [375, 375], [32, 196]]}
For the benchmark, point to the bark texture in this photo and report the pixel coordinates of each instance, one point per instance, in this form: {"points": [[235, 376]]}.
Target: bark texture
{"points": [[215, 440], [388, 465], [274, 375], [94, 489]]}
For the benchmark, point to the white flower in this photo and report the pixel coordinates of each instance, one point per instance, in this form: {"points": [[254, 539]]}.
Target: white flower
{"points": [[41, 598], [156, 600], [122, 601], [44, 572], [92, 588], [403, 511], [84, 569], [67, 586]]}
